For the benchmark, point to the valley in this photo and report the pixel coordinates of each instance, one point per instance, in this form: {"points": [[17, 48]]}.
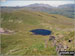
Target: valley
{"points": [[24, 42]]}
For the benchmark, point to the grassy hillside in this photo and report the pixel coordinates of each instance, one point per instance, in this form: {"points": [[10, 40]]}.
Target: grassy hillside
{"points": [[23, 42], [66, 10]]}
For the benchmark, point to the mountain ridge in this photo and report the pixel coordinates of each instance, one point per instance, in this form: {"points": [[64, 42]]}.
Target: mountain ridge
{"points": [[65, 10]]}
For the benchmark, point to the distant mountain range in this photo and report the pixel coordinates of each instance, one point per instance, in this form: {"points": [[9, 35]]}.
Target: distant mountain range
{"points": [[67, 6], [65, 10], [38, 5]]}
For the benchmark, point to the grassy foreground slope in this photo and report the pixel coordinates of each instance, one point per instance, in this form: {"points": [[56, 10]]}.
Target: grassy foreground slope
{"points": [[23, 42]]}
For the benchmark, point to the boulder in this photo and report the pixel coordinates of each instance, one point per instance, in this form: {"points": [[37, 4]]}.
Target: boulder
{"points": [[52, 38]]}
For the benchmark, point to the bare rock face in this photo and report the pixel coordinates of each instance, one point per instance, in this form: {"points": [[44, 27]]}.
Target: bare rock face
{"points": [[52, 38], [1, 30]]}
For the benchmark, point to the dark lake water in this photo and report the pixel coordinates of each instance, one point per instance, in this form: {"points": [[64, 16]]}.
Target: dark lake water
{"points": [[41, 32]]}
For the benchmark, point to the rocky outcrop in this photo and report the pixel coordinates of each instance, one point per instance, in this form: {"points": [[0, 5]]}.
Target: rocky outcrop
{"points": [[5, 31]]}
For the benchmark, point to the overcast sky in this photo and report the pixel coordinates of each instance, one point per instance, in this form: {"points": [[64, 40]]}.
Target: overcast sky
{"points": [[24, 3]]}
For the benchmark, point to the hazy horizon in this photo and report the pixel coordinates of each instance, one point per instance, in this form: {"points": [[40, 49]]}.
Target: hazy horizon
{"points": [[24, 3]]}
